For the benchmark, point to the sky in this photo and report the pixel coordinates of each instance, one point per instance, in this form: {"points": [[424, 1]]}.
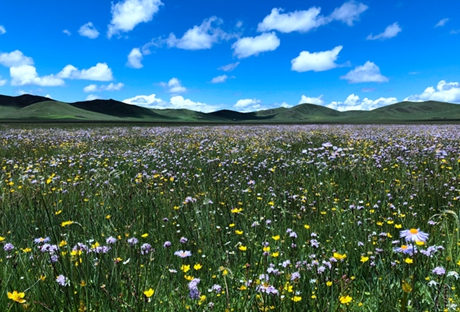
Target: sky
{"points": [[208, 55]]}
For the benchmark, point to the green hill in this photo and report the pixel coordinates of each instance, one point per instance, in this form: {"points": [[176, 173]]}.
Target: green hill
{"points": [[36, 108]]}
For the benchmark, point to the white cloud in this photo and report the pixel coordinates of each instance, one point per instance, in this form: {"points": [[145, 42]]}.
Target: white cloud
{"points": [[444, 92], [2, 30], [248, 105], [353, 102], [248, 46], [174, 86], [285, 105], [311, 100], [128, 14], [144, 100], [67, 32], [316, 61], [99, 72], [2, 82], [109, 87], [348, 13], [135, 58], [15, 58], [219, 79], [301, 21], [441, 22], [179, 102], [229, 67], [88, 30], [389, 32], [455, 31], [91, 97], [369, 72], [27, 75], [199, 37]]}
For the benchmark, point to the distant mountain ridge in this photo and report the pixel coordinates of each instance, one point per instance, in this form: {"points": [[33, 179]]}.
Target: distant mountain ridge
{"points": [[32, 108]]}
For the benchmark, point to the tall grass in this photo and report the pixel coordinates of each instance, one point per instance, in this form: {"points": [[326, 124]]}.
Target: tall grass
{"points": [[244, 218]]}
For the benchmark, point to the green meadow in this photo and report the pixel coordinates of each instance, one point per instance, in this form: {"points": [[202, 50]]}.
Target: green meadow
{"points": [[229, 218]]}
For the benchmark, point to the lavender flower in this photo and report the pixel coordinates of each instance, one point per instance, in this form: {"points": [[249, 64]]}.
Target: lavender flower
{"points": [[62, 280], [111, 240], [167, 244], [439, 271], [183, 254], [183, 240], [146, 248], [133, 241], [8, 247]]}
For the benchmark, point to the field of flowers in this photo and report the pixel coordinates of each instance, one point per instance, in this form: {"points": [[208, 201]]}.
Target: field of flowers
{"points": [[230, 218]]}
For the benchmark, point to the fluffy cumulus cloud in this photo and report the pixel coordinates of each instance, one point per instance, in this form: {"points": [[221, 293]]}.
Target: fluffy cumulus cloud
{"points": [[91, 97], [316, 61], [199, 37], [248, 105], [99, 72], [88, 30], [348, 13], [444, 92], [441, 22], [229, 67], [389, 32], [144, 100], [15, 58], [128, 14], [135, 58], [109, 87], [27, 75], [2, 30], [311, 100], [247, 46], [353, 102], [219, 79], [174, 86], [301, 21], [369, 72], [175, 102]]}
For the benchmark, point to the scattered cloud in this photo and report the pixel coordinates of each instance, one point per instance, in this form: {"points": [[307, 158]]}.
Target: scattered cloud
{"points": [[179, 102], [316, 61], [91, 97], [285, 105], [348, 13], [27, 75], [239, 24], [2, 30], [174, 86], [301, 21], [369, 72], [128, 14], [368, 89], [109, 87], [441, 22], [248, 105], [455, 31], [247, 46], [99, 72], [219, 79], [389, 32], [311, 100], [135, 58], [3, 82], [229, 67], [353, 102], [67, 32], [199, 37], [444, 92], [88, 30], [15, 59], [175, 102], [144, 100]]}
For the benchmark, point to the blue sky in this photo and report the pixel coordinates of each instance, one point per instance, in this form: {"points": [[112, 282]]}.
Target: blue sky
{"points": [[242, 55]]}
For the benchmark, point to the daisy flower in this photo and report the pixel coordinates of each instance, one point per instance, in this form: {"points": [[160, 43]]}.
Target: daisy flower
{"points": [[414, 235]]}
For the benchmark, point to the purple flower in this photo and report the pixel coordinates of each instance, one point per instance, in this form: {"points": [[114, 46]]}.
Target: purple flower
{"points": [[133, 241], [439, 271], [183, 254], [167, 244], [183, 240], [41, 240], [62, 280], [295, 276], [145, 248], [216, 288], [54, 258], [8, 247], [111, 240]]}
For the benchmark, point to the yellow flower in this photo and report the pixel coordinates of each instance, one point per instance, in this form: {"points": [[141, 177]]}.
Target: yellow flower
{"points": [[408, 260], [197, 267], [306, 226], [26, 249], [231, 225], [238, 232], [345, 299], [364, 259], [185, 268], [17, 296], [267, 249], [149, 292], [277, 237], [339, 256], [82, 283], [296, 298], [65, 223], [243, 248], [2, 238], [328, 283], [275, 254], [188, 277], [58, 212], [398, 226], [145, 235]]}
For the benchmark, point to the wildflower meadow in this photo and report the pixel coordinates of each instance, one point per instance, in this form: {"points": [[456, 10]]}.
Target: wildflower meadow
{"points": [[230, 218]]}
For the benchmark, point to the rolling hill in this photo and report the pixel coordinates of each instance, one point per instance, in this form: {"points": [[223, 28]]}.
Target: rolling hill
{"points": [[31, 108]]}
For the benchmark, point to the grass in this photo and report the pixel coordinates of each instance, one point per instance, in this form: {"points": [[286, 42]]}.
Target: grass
{"points": [[238, 218]]}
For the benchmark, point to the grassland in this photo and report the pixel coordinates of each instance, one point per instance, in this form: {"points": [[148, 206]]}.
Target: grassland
{"points": [[29, 108], [230, 218]]}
